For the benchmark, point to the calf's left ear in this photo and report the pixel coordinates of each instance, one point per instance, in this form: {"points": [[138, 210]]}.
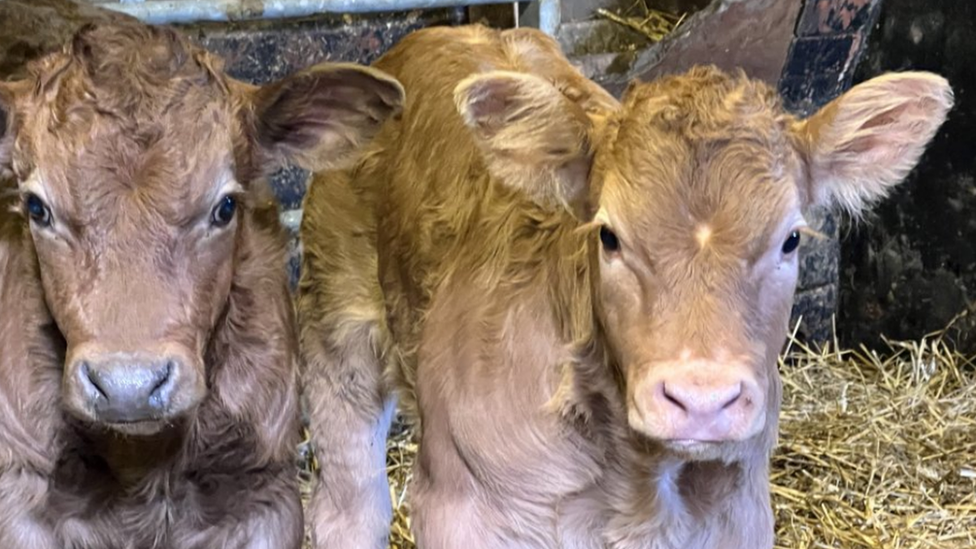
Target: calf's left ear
{"points": [[321, 117], [867, 140]]}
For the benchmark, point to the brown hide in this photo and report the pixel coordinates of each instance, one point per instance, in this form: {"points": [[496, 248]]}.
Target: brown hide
{"points": [[580, 302], [148, 372]]}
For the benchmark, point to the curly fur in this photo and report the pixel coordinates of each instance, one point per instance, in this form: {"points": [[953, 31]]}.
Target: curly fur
{"points": [[131, 134]]}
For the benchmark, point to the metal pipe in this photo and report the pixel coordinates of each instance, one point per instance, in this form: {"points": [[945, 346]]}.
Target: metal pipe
{"points": [[189, 11], [291, 219], [550, 16]]}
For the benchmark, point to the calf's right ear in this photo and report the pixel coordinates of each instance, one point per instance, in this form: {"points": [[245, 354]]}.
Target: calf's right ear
{"points": [[319, 118], [858, 147], [532, 137]]}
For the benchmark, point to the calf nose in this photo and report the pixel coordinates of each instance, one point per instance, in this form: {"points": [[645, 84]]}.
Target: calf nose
{"points": [[127, 391], [698, 401]]}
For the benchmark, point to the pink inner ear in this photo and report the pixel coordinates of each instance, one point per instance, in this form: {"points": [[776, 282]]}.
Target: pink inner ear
{"points": [[882, 119], [5, 140], [484, 112], [490, 98], [910, 110], [484, 105], [899, 118], [867, 141]]}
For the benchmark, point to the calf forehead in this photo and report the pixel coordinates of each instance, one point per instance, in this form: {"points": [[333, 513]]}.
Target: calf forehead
{"points": [[697, 153], [676, 184], [187, 136], [139, 116], [164, 166]]}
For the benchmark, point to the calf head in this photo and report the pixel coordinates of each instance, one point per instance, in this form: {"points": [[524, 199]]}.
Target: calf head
{"points": [[138, 163], [695, 198]]}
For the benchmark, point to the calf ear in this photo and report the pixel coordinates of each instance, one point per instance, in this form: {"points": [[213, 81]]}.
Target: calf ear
{"points": [[867, 141], [12, 94], [532, 136], [6, 129], [319, 118]]}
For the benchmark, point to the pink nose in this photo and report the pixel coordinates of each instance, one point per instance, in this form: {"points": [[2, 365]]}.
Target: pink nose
{"points": [[700, 401], [701, 404]]}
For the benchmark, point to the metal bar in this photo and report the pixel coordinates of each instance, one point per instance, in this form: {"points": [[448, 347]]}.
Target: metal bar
{"points": [[291, 219], [189, 11], [550, 16]]}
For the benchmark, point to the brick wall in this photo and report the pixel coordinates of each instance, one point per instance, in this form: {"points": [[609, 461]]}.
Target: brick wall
{"points": [[829, 41]]}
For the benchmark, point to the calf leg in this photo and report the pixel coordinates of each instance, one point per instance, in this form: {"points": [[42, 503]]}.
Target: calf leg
{"points": [[443, 522], [452, 509], [350, 504], [341, 316], [449, 513]]}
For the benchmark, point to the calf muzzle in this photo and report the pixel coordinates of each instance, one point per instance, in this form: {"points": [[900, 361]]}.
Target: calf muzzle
{"points": [[129, 392], [122, 390], [697, 401]]}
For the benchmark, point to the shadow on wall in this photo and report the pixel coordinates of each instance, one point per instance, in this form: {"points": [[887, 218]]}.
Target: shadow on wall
{"points": [[911, 268]]}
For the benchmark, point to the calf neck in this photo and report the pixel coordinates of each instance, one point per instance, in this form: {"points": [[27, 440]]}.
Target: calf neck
{"points": [[148, 367], [580, 302]]}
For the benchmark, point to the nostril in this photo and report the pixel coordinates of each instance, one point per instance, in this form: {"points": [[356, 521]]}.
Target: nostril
{"points": [[163, 376], [733, 398], [672, 398], [90, 378]]}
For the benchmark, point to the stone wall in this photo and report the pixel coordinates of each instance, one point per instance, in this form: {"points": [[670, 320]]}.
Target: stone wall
{"points": [[911, 268]]}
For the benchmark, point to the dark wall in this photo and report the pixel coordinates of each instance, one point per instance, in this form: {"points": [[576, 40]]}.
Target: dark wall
{"points": [[912, 268]]}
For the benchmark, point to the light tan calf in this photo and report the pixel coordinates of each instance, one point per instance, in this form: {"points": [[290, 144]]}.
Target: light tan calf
{"points": [[580, 302]]}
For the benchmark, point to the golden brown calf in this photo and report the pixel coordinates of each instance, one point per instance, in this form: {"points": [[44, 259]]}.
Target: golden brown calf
{"points": [[580, 302], [147, 344]]}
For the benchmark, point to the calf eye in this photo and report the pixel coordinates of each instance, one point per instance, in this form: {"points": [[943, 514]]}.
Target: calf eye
{"points": [[37, 210], [609, 240], [223, 212], [791, 243]]}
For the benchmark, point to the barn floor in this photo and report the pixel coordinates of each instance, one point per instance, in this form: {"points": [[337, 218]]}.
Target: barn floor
{"points": [[876, 450]]}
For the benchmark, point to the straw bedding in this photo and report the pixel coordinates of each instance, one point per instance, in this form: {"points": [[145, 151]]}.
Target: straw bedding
{"points": [[877, 450]]}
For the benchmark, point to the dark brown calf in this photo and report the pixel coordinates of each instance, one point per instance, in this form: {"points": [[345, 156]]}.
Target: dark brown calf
{"points": [[580, 302], [147, 348]]}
